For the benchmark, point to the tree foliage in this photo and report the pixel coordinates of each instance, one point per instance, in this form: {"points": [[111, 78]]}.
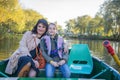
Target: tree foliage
{"points": [[85, 25], [105, 23], [14, 19], [111, 14]]}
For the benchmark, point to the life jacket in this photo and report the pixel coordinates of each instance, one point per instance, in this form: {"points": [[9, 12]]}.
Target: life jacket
{"points": [[60, 43]]}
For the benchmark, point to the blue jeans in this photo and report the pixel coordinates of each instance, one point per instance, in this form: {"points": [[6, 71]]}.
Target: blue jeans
{"points": [[50, 70]]}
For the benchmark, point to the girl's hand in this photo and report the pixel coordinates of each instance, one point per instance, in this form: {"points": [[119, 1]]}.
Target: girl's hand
{"points": [[61, 62], [55, 64]]}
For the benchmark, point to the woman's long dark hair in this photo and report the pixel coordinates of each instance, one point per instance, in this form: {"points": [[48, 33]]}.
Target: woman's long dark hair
{"points": [[44, 22]]}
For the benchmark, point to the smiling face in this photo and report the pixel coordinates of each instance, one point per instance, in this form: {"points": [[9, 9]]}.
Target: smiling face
{"points": [[41, 29], [52, 30]]}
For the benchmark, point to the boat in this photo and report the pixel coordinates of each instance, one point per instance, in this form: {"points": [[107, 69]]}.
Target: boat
{"points": [[82, 65]]}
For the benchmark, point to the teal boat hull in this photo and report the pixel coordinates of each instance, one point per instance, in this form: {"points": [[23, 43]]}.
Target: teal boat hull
{"points": [[100, 71], [84, 66]]}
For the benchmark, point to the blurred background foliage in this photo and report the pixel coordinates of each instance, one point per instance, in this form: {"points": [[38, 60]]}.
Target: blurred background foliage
{"points": [[14, 20], [105, 25]]}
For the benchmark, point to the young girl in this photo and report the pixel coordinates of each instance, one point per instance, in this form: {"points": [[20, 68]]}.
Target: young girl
{"points": [[55, 53]]}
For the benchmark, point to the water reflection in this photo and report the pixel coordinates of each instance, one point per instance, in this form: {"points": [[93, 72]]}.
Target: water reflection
{"points": [[7, 47]]}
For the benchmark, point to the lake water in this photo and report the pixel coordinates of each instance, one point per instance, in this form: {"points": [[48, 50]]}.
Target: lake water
{"points": [[7, 47]]}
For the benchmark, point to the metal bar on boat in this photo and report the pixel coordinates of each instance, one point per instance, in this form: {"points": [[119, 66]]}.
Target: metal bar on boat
{"points": [[1, 73], [99, 73]]}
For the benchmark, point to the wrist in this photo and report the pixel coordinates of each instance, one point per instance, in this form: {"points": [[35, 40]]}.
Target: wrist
{"points": [[64, 60], [51, 61]]}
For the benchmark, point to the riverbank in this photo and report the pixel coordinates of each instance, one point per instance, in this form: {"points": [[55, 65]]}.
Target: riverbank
{"points": [[11, 36], [94, 37]]}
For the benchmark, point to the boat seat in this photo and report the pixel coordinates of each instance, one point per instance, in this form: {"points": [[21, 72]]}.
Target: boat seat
{"points": [[57, 74], [2, 68], [80, 60]]}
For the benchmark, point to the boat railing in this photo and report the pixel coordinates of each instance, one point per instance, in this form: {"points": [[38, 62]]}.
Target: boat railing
{"points": [[4, 75], [100, 73]]}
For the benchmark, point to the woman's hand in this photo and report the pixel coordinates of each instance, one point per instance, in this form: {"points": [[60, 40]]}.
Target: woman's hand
{"points": [[61, 62], [36, 63], [66, 48], [55, 64]]}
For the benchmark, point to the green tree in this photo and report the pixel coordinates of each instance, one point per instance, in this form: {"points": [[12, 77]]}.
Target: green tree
{"points": [[111, 13], [14, 19], [82, 23], [31, 18]]}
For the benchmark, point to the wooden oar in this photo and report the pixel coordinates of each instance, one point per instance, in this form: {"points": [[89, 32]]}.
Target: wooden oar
{"points": [[111, 51]]}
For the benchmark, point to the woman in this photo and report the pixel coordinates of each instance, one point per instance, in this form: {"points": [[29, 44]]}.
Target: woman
{"points": [[21, 62]]}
